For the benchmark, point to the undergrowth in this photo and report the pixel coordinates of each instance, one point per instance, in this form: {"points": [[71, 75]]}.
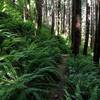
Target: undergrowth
{"points": [[28, 63], [83, 80]]}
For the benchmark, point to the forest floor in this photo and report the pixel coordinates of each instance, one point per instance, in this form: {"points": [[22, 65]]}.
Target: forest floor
{"points": [[59, 94]]}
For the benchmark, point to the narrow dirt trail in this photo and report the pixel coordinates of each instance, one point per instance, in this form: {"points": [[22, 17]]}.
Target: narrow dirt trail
{"points": [[59, 94], [63, 69]]}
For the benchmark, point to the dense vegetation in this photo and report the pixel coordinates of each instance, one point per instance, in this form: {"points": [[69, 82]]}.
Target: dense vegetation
{"points": [[38, 64]]}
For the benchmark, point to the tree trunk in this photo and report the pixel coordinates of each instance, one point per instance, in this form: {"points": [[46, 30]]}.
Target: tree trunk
{"points": [[87, 30], [58, 27], [46, 9], [76, 26], [53, 18], [69, 16], [92, 25], [39, 13], [64, 12], [97, 35], [26, 10]]}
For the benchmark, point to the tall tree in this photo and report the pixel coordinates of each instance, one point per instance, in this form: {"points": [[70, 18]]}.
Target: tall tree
{"points": [[53, 18], [85, 50], [76, 26], [64, 12], [59, 7], [26, 10], [97, 34], [39, 13], [92, 29], [69, 17], [46, 8]]}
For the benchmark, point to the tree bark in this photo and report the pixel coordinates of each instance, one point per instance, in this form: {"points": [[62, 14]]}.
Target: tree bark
{"points": [[58, 27], [53, 18], [97, 35], [76, 26], [26, 10], [92, 25], [64, 12], [39, 13], [85, 50]]}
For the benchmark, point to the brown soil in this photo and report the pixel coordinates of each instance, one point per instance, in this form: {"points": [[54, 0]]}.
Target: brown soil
{"points": [[59, 94]]}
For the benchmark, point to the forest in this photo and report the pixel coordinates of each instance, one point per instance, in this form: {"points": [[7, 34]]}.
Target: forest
{"points": [[49, 49]]}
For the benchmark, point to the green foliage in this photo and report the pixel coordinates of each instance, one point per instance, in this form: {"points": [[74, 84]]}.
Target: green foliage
{"points": [[1, 5], [29, 72], [45, 30], [28, 63], [84, 79], [21, 28], [29, 85], [18, 27], [3, 15], [63, 45]]}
